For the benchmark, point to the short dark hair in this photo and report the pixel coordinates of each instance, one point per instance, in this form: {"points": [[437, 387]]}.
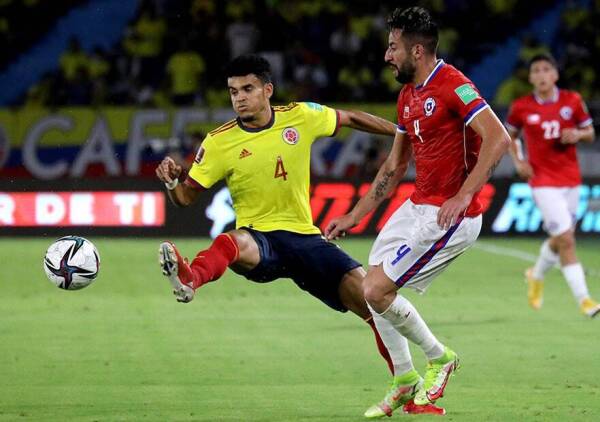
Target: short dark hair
{"points": [[543, 57], [417, 26], [250, 64]]}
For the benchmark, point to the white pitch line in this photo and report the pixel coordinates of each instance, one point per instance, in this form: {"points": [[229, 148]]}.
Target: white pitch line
{"points": [[501, 250], [521, 255]]}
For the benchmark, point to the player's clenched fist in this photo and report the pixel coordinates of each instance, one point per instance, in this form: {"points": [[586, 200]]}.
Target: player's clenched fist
{"points": [[168, 170], [570, 136], [338, 226]]}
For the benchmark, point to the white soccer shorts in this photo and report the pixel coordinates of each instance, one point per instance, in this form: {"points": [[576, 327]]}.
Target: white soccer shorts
{"points": [[558, 207], [414, 250]]}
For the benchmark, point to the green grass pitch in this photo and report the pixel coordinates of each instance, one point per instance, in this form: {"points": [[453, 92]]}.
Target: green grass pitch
{"points": [[124, 350]]}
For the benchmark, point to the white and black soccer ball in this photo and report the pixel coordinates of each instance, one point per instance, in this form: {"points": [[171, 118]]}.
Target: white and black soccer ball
{"points": [[72, 262]]}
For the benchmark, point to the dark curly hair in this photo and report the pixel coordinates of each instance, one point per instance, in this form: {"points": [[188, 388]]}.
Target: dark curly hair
{"points": [[417, 26], [247, 64]]}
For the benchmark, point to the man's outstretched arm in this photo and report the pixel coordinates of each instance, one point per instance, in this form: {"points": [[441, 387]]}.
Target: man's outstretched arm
{"points": [[180, 194], [366, 122]]}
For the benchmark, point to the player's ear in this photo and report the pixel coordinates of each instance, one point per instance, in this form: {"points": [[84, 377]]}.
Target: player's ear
{"points": [[268, 88], [417, 51]]}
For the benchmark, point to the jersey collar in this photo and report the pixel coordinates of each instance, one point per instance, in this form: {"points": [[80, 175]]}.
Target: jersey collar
{"points": [[435, 70], [552, 99], [257, 129]]}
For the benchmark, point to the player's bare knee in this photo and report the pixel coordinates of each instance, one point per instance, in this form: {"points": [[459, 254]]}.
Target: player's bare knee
{"points": [[566, 241], [351, 292], [373, 294], [553, 243], [378, 289], [248, 249]]}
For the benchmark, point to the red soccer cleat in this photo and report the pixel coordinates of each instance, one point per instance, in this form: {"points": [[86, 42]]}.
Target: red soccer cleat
{"points": [[423, 409], [177, 270]]}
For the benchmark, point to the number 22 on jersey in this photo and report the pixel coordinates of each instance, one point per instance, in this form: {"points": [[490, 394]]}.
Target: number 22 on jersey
{"points": [[551, 129], [280, 169]]}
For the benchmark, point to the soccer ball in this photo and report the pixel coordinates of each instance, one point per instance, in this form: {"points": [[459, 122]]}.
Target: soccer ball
{"points": [[72, 263]]}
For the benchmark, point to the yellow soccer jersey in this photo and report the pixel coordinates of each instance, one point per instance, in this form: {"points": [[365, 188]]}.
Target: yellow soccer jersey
{"points": [[267, 170]]}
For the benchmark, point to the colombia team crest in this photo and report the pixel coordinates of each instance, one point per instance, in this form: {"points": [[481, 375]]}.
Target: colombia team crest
{"points": [[290, 136]]}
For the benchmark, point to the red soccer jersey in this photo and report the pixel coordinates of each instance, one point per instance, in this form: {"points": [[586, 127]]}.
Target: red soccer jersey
{"points": [[435, 116], [553, 163]]}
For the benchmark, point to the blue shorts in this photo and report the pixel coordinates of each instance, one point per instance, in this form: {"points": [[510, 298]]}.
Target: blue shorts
{"points": [[314, 264]]}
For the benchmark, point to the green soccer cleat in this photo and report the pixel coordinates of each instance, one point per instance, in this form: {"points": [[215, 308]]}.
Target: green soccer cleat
{"points": [[402, 391], [436, 377]]}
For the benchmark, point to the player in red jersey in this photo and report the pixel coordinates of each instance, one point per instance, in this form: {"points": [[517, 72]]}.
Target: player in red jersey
{"points": [[552, 122], [456, 141]]}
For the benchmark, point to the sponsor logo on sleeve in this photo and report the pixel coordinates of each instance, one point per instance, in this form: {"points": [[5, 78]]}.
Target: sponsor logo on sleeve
{"points": [[466, 93], [315, 106], [199, 155], [290, 135], [566, 112], [429, 106]]}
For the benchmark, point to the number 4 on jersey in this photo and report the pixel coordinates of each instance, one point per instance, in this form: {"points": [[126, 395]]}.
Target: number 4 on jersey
{"points": [[279, 169]]}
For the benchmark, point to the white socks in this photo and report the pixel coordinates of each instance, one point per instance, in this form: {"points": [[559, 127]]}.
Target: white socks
{"points": [[546, 260], [573, 273], [396, 345], [403, 316], [575, 277]]}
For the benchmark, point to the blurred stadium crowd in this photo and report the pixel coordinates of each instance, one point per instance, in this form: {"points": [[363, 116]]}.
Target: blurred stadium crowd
{"points": [[173, 51]]}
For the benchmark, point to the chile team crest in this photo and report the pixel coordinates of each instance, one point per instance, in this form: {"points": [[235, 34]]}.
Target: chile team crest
{"points": [[290, 136], [566, 112], [429, 106]]}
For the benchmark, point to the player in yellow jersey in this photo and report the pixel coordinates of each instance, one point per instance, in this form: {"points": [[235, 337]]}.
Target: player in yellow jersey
{"points": [[264, 158]]}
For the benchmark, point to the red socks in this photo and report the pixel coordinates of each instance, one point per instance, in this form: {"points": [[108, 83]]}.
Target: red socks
{"points": [[211, 263], [383, 351]]}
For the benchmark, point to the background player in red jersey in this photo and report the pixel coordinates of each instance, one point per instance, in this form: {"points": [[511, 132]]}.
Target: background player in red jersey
{"points": [[456, 140], [552, 121]]}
